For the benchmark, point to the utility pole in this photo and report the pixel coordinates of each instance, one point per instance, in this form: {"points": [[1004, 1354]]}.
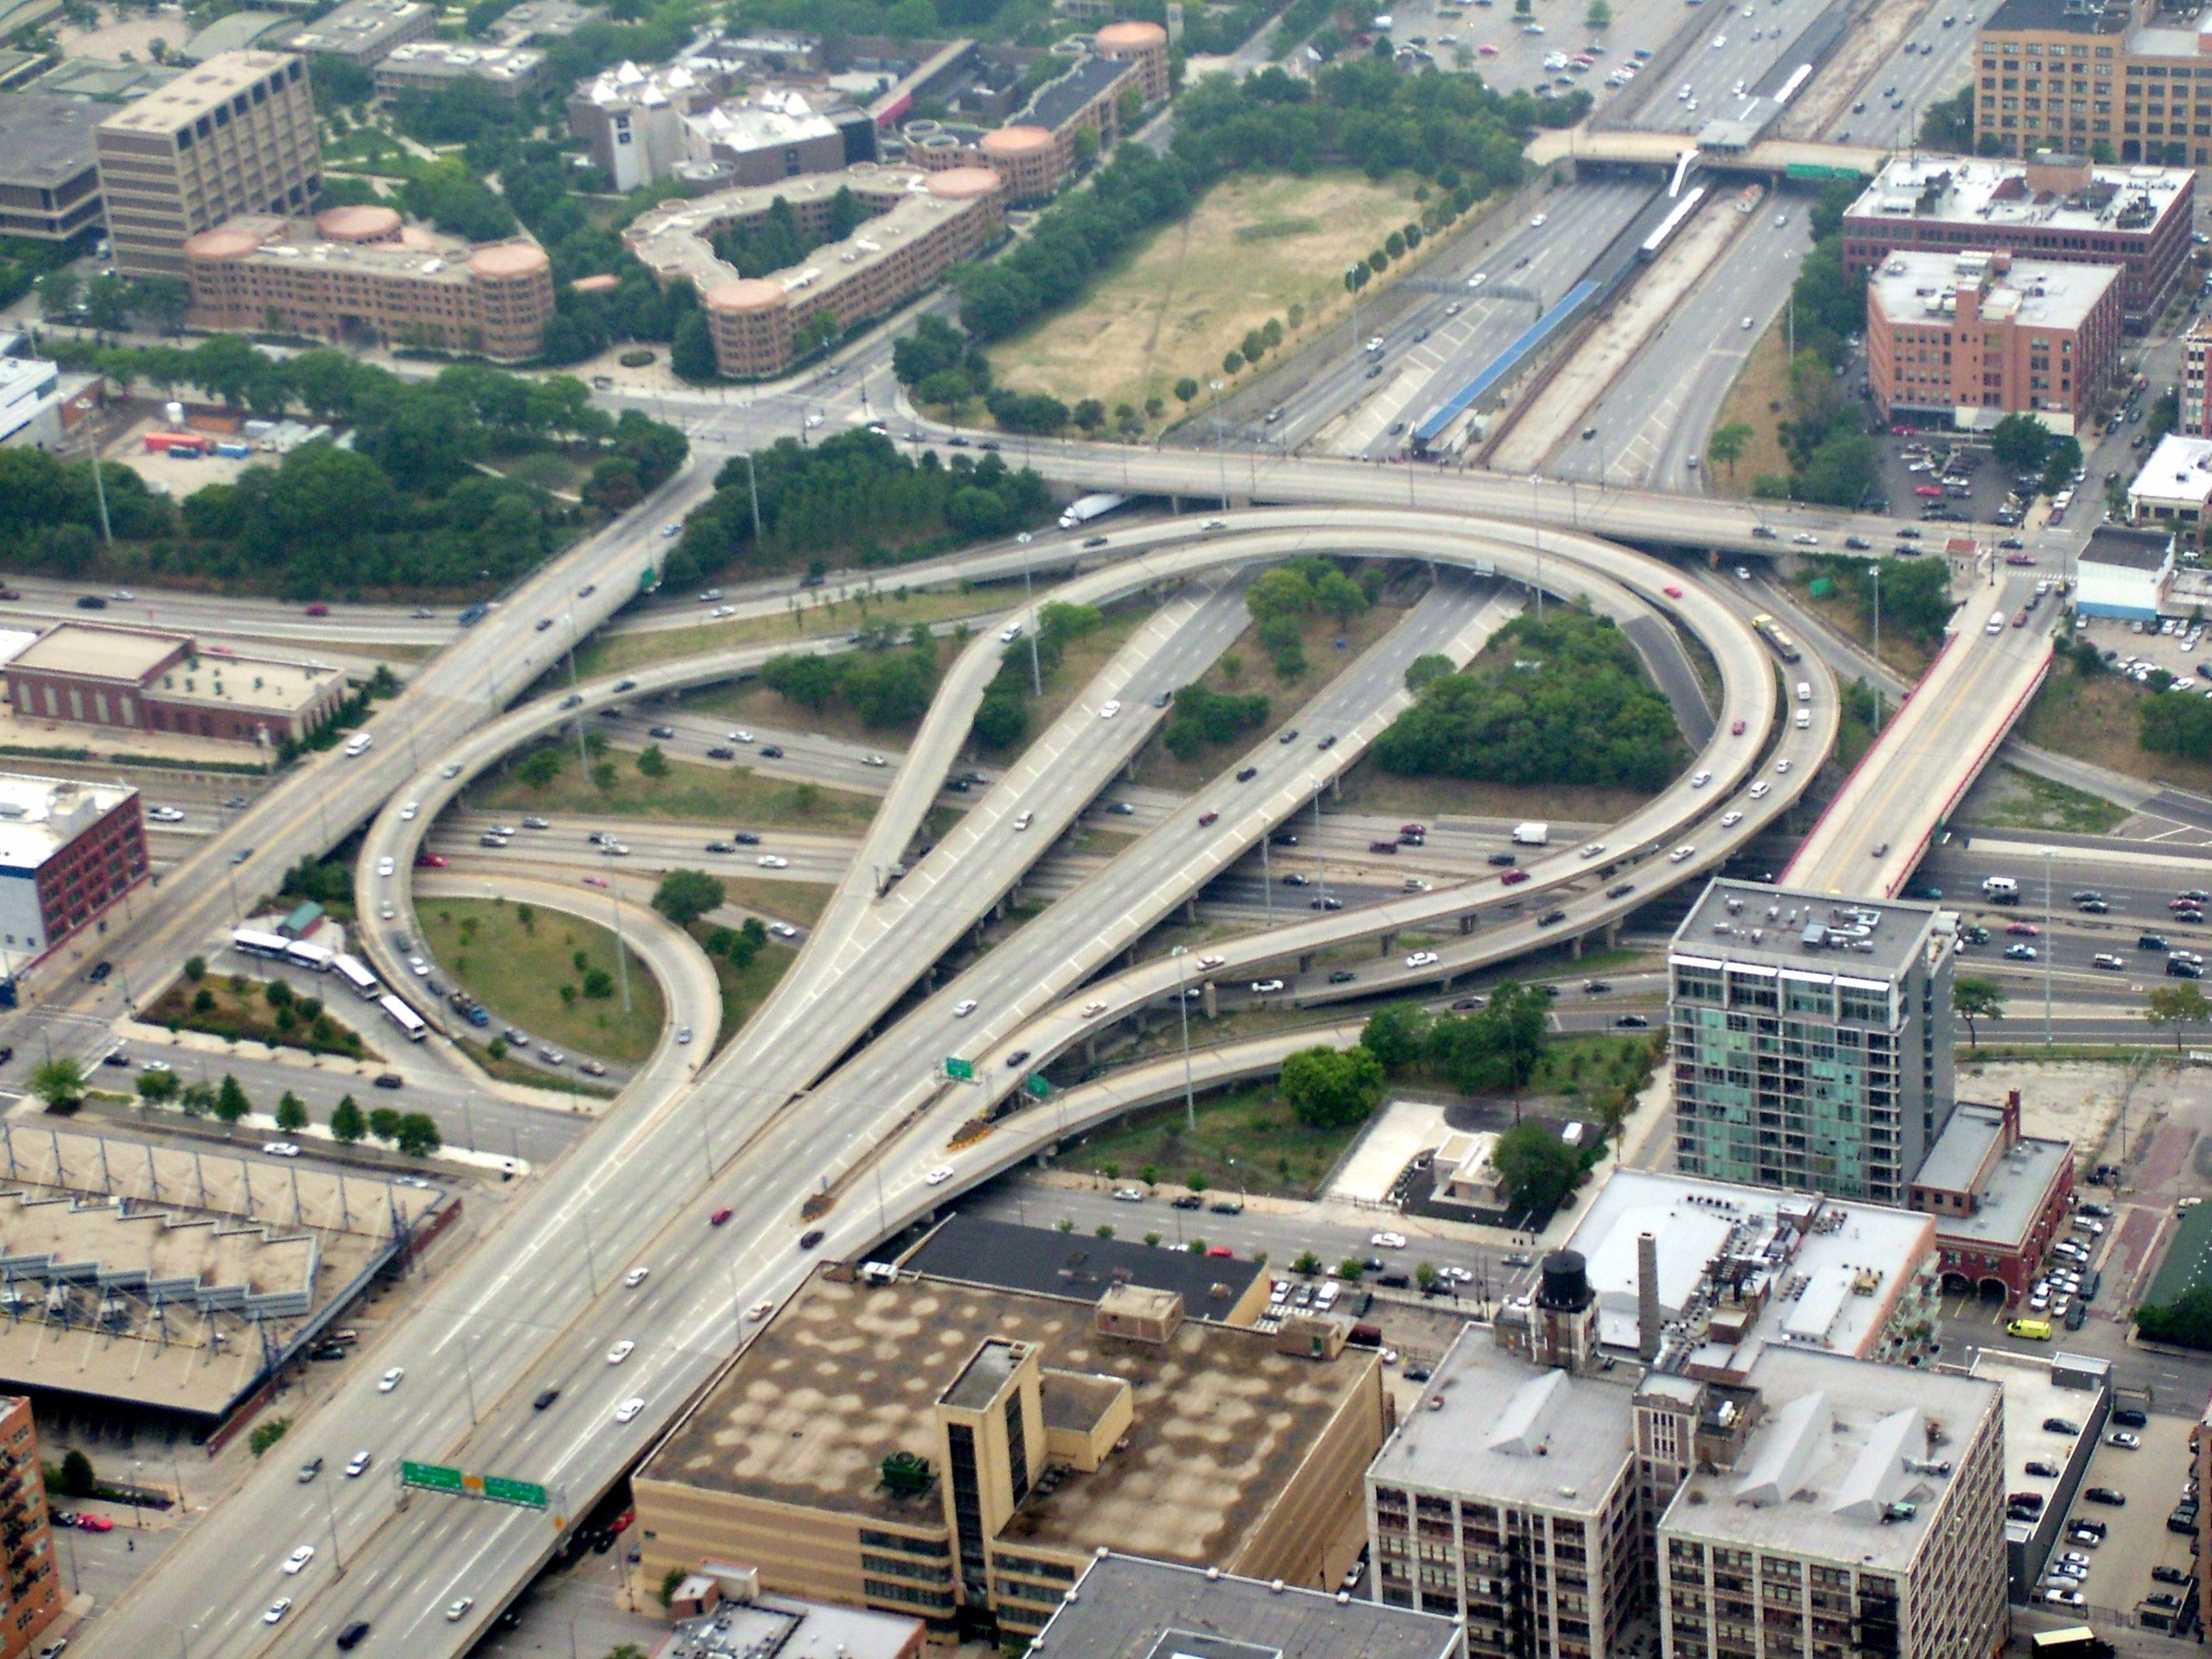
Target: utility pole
{"points": [[1029, 604], [1875, 571], [622, 950], [752, 488], [1182, 955], [2046, 947], [100, 493]]}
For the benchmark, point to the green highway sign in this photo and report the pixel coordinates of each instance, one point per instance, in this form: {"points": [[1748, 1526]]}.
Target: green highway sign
{"points": [[1037, 1086], [435, 1476], [960, 1071], [527, 1493]]}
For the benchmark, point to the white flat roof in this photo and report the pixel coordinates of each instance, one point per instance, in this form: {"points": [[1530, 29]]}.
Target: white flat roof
{"points": [[2179, 470], [40, 816], [1921, 288]]}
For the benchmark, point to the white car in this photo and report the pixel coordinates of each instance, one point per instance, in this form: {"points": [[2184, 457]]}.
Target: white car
{"points": [[1681, 852], [939, 1175], [740, 735], [873, 760], [1260, 987], [1478, 279], [783, 930], [1537, 224], [773, 861], [1109, 709], [1782, 765], [620, 1350], [1207, 964], [1729, 820], [298, 1558], [1699, 779], [636, 1277], [418, 967], [407, 812], [165, 815], [964, 1007], [357, 1466], [457, 1611], [277, 1609], [280, 1148], [1593, 850], [390, 1380], [387, 910], [1720, 43], [1092, 1010], [759, 1311], [1128, 1195], [725, 610], [1803, 539], [629, 1408], [1022, 820], [1421, 959], [384, 866], [1760, 790], [1388, 1241]]}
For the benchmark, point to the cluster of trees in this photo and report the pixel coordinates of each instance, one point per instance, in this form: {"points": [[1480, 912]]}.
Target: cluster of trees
{"points": [[883, 687], [1002, 719], [1562, 700], [1284, 598], [415, 1134], [685, 895], [1831, 459], [1201, 717], [1946, 126], [1915, 594], [1495, 1048], [2175, 726], [940, 365], [110, 303], [2022, 444], [737, 946], [289, 1018], [458, 202], [853, 494], [2186, 1322], [1331, 1088], [405, 508]]}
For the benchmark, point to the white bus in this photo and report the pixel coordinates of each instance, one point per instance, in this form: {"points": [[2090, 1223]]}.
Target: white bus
{"points": [[254, 943], [315, 957], [355, 974], [404, 1016]]}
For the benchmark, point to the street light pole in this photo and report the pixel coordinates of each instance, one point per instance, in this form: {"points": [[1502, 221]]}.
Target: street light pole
{"points": [[1875, 571], [2046, 947], [330, 1510], [1028, 608], [1182, 1013]]}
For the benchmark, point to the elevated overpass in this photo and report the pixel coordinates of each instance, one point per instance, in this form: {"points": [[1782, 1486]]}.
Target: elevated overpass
{"points": [[1913, 776], [1769, 158]]}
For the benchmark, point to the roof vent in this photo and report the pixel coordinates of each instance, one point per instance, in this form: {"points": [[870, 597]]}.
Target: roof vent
{"points": [[1275, 1586], [1214, 1575]]}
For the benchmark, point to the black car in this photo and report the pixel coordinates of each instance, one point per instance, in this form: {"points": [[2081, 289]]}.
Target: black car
{"points": [[721, 751], [1247, 774], [90, 602], [2060, 1425], [101, 971], [1620, 889], [1188, 1202], [810, 1238], [1550, 917], [2092, 907], [1328, 742], [2094, 1529], [2106, 1496], [1325, 904], [745, 838], [720, 847], [1595, 988], [390, 1080], [1857, 544], [2169, 1575], [1017, 1057], [572, 700], [545, 1397], [1094, 541], [1294, 880], [1283, 840], [625, 685], [2043, 1471], [1503, 860], [1227, 1206], [1633, 1022], [771, 751], [1907, 534], [1342, 976], [1289, 736], [2129, 1417], [353, 1635]]}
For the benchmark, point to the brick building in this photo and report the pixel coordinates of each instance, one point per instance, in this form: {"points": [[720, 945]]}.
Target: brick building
{"points": [[924, 224], [67, 851], [1999, 1197], [137, 679], [34, 1597], [357, 276], [1977, 335], [2059, 208], [237, 135], [2062, 75]]}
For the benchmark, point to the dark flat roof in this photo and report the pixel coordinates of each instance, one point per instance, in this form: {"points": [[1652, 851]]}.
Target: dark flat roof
{"points": [[2133, 550], [1126, 1607], [1003, 1256], [2067, 16], [46, 141], [1059, 100]]}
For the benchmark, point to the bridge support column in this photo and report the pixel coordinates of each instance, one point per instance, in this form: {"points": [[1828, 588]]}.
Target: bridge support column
{"points": [[1091, 1051], [1305, 962], [1387, 944], [1613, 936], [1575, 948], [1190, 911], [1336, 787], [1466, 923], [1213, 1002]]}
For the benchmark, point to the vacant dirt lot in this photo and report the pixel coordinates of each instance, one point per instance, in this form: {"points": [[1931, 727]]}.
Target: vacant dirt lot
{"points": [[1256, 247]]}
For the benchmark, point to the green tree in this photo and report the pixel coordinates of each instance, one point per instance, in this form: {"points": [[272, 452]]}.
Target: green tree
{"points": [[291, 1113], [348, 1125], [1397, 1035], [156, 1087], [685, 895], [1599, 14], [2180, 1005], [230, 1101], [2185, 1323], [416, 1135], [1727, 443], [1947, 125], [59, 291], [383, 1123], [2019, 442], [1185, 389], [60, 1084], [651, 761], [196, 968], [1972, 999], [164, 301], [1501, 1044], [266, 1434], [1537, 1169], [540, 766], [692, 354], [78, 1478], [1331, 1088]]}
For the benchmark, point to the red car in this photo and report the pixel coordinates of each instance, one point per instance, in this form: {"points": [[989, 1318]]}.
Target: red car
{"points": [[1931, 492], [1206, 817], [1220, 1250], [1671, 591], [1513, 879], [1736, 730], [2024, 929], [599, 882], [719, 1217], [95, 1523], [319, 608], [2020, 558], [430, 861]]}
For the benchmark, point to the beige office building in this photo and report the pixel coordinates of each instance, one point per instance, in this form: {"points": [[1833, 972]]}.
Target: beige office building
{"points": [[1040, 1429], [236, 135]]}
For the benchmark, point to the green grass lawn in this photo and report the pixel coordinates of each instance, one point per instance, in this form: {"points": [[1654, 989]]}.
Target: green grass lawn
{"points": [[692, 792], [2029, 802], [743, 989], [809, 620], [517, 960], [1274, 1152]]}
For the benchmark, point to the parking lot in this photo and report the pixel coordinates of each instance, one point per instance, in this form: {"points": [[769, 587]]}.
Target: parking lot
{"points": [[2137, 1539], [2139, 649]]}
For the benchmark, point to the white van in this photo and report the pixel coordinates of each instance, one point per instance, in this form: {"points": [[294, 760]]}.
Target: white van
{"points": [[1995, 623], [1010, 633], [1804, 719], [357, 745], [1804, 690]]}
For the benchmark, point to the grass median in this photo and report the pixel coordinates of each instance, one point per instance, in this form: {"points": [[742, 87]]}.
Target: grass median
{"points": [[550, 972]]}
